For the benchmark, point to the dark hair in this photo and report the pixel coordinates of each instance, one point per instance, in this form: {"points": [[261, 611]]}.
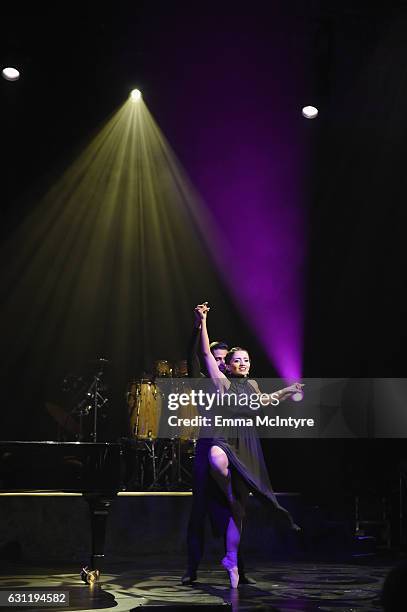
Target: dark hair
{"points": [[219, 344], [232, 351]]}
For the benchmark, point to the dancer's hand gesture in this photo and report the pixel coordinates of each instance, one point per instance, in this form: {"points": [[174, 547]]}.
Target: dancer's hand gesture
{"points": [[201, 311], [294, 388]]}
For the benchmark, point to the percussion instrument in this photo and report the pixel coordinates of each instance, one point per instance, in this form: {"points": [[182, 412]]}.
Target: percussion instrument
{"points": [[187, 433], [162, 369], [160, 462], [180, 369], [144, 409]]}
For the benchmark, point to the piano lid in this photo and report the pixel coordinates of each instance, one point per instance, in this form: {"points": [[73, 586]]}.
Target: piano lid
{"points": [[60, 466]]}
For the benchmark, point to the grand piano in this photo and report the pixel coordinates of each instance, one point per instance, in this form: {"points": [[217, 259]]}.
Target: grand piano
{"points": [[90, 468]]}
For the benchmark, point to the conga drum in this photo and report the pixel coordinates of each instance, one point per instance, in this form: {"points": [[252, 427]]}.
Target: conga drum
{"points": [[187, 433], [144, 409]]}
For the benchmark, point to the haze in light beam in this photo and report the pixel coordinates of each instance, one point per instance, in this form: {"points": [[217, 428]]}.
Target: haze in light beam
{"points": [[111, 261]]}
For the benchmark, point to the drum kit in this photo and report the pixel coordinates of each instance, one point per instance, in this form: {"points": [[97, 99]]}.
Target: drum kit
{"points": [[159, 463], [151, 462]]}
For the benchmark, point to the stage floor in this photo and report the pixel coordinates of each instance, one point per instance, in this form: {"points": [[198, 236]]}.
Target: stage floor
{"points": [[282, 587]]}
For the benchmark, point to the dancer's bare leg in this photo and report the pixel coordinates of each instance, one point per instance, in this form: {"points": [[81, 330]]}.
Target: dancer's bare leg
{"points": [[219, 463]]}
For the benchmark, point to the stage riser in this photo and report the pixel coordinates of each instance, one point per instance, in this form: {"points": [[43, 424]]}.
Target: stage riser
{"points": [[59, 528]]}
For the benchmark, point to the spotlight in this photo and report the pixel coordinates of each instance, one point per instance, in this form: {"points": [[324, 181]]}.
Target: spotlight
{"points": [[10, 74], [135, 95], [297, 397], [310, 112]]}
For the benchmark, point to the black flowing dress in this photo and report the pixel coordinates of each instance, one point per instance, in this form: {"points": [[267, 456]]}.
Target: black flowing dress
{"points": [[246, 463]]}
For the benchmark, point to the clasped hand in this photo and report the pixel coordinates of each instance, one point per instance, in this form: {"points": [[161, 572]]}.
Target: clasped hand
{"points": [[201, 311]]}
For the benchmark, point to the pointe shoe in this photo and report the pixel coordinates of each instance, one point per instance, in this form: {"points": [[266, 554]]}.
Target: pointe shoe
{"points": [[231, 567]]}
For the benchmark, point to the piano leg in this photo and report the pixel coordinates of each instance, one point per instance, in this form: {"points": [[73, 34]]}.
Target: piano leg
{"points": [[99, 506]]}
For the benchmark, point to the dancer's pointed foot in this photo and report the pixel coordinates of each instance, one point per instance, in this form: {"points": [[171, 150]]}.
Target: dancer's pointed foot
{"points": [[188, 578], [230, 564]]}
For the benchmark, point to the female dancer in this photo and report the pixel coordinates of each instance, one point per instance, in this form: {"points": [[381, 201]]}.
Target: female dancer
{"points": [[235, 455]]}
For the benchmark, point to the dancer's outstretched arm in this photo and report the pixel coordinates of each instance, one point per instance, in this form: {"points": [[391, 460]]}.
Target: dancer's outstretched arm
{"points": [[280, 395], [210, 362]]}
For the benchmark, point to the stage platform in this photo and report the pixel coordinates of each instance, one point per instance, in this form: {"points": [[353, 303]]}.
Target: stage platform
{"points": [[148, 583], [45, 540]]}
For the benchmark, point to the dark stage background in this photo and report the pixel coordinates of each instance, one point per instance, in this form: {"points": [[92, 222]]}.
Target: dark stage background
{"points": [[199, 70]]}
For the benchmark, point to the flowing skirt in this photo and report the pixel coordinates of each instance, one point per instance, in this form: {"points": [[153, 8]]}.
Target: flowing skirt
{"points": [[248, 475]]}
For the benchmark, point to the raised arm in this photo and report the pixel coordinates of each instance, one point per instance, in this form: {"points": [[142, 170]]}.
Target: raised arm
{"points": [[210, 362]]}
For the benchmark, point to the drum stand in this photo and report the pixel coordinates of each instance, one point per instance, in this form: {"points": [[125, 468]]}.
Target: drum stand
{"points": [[158, 471], [149, 445], [180, 483], [174, 467], [182, 468]]}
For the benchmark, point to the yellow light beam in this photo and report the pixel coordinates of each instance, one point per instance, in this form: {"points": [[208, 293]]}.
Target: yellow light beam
{"points": [[113, 258]]}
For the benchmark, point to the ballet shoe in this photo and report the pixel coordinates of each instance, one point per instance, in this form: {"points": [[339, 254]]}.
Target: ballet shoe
{"points": [[285, 519], [188, 578], [231, 566]]}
